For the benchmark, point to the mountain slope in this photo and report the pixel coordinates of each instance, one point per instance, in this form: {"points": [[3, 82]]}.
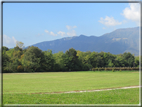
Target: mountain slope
{"points": [[116, 42]]}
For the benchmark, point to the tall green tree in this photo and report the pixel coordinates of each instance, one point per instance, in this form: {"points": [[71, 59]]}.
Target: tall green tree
{"points": [[73, 59], [119, 61], [20, 44], [129, 59], [5, 61], [4, 48], [31, 59], [136, 61], [60, 61], [47, 61]]}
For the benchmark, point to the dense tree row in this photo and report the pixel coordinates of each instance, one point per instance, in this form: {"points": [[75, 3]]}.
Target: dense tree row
{"points": [[33, 59]]}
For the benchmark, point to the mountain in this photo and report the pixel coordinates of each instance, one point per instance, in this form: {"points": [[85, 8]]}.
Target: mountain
{"points": [[116, 42]]}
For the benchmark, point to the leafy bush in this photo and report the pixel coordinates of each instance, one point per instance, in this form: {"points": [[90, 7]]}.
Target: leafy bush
{"points": [[113, 69], [93, 69], [20, 68], [98, 69]]}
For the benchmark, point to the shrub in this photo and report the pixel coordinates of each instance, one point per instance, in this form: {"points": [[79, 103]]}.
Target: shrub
{"points": [[122, 68], [117, 68], [137, 68], [19, 68], [102, 68], [98, 69], [93, 69], [113, 69]]}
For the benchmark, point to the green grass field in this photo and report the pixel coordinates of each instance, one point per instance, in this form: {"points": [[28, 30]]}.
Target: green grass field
{"points": [[121, 96], [23, 86]]}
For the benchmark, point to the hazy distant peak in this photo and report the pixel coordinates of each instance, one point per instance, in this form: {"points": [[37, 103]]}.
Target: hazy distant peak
{"points": [[116, 42], [133, 28], [82, 35]]}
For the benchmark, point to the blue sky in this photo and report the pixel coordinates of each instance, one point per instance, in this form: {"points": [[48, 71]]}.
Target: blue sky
{"points": [[32, 23]]}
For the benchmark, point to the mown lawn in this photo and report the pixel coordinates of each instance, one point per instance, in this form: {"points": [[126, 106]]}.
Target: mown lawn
{"points": [[120, 96], [21, 86]]}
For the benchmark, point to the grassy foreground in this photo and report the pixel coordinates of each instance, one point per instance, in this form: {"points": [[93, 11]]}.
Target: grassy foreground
{"points": [[18, 88], [120, 96], [66, 81]]}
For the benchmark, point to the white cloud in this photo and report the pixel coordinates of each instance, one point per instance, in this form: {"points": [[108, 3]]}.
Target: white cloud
{"points": [[109, 21], [39, 35], [70, 27], [53, 34], [14, 39], [71, 33], [9, 42], [61, 33], [132, 12], [74, 26], [46, 31], [50, 33], [104, 28]]}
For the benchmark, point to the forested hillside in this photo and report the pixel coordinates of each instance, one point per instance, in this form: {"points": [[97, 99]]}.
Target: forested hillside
{"points": [[33, 59], [116, 42]]}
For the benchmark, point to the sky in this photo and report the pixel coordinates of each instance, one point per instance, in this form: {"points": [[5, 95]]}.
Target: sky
{"points": [[32, 23]]}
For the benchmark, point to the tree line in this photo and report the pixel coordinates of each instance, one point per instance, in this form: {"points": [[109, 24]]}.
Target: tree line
{"points": [[33, 59]]}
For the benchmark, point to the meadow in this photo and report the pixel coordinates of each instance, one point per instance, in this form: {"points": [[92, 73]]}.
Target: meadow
{"points": [[32, 88]]}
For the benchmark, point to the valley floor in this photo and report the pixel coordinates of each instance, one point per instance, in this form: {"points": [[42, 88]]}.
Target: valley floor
{"points": [[72, 88]]}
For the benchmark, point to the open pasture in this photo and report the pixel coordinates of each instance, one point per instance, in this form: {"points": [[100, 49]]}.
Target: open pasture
{"points": [[26, 85]]}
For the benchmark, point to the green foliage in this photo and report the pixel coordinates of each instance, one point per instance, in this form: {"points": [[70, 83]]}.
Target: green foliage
{"points": [[136, 64], [17, 54], [19, 44], [6, 61], [113, 69], [98, 69], [47, 61], [73, 62], [129, 59], [4, 48], [93, 69], [110, 64], [17, 48], [10, 53], [33, 59]]}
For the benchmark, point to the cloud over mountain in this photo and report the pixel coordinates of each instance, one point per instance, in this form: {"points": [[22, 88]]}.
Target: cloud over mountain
{"points": [[109, 21], [132, 12]]}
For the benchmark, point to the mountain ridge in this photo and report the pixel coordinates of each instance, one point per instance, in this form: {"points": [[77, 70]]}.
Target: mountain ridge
{"points": [[116, 42]]}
